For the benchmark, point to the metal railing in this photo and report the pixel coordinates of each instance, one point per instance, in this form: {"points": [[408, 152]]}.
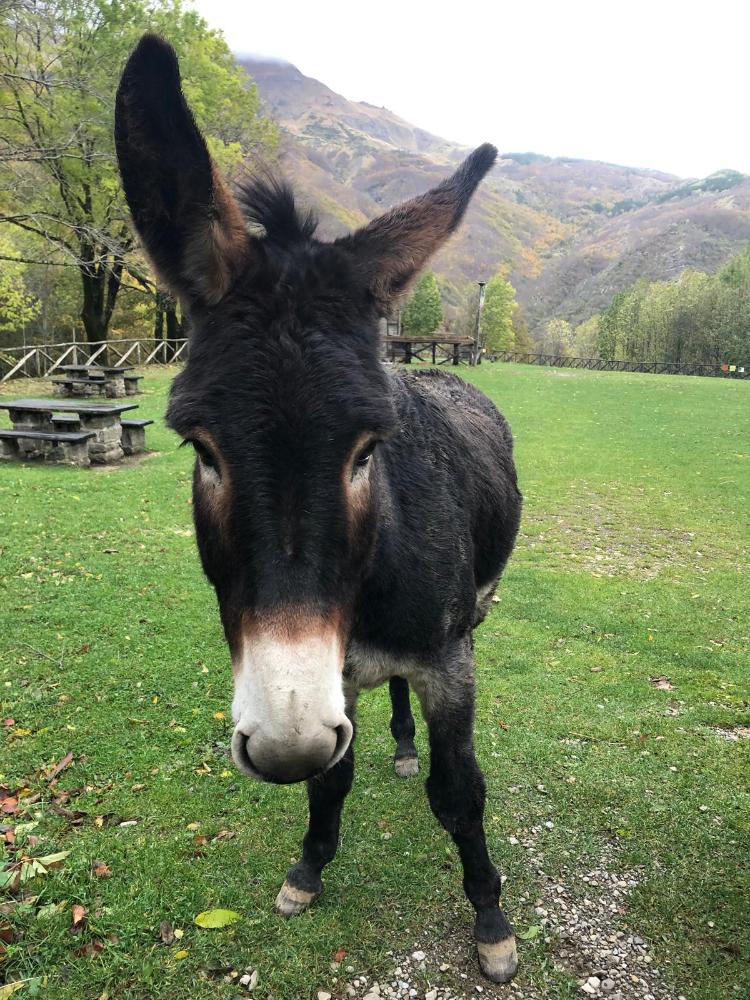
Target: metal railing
{"points": [[42, 359]]}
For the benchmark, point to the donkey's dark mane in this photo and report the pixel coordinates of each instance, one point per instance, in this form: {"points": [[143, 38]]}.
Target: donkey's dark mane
{"points": [[269, 201]]}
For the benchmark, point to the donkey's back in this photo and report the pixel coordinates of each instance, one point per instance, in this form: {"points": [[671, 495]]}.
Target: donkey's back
{"points": [[451, 511]]}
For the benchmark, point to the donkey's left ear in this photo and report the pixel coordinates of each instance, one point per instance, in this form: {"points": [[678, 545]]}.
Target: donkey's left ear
{"points": [[189, 223], [393, 248]]}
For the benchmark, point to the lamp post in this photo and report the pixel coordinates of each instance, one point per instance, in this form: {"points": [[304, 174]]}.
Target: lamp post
{"points": [[478, 346]]}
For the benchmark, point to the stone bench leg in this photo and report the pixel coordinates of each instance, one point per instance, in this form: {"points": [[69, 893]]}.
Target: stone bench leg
{"points": [[28, 449], [72, 453], [131, 387], [115, 388], [8, 449], [106, 447], [133, 440]]}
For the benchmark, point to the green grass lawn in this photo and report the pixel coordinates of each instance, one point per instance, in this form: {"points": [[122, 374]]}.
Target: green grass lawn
{"points": [[631, 566]]}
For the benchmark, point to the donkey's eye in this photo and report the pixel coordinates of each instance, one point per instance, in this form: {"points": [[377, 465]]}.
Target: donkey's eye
{"points": [[204, 454], [364, 456]]}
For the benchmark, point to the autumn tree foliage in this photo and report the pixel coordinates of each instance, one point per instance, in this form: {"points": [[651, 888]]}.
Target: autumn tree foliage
{"points": [[59, 66], [497, 315], [424, 311], [699, 318], [556, 338]]}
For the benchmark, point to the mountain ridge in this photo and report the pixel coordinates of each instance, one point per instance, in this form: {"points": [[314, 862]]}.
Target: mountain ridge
{"points": [[568, 232]]}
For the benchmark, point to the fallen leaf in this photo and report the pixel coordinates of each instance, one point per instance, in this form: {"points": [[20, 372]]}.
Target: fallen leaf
{"points": [[596, 670], [217, 918], [166, 933], [10, 804], [9, 722], [339, 955], [662, 683], [53, 860], [181, 954], [534, 931], [100, 869], [11, 988], [78, 913], [90, 949], [60, 766], [179, 933], [74, 816], [10, 880]]}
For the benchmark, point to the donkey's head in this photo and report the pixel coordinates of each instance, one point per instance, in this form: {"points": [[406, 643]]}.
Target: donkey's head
{"points": [[284, 401]]}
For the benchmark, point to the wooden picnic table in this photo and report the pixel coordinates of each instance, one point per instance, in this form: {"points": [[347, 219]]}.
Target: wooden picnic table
{"points": [[96, 369], [414, 347], [99, 423]]}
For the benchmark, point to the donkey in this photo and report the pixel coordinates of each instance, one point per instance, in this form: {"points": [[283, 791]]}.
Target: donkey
{"points": [[354, 520]]}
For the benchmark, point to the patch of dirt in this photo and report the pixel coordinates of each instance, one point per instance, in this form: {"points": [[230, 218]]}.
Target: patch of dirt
{"points": [[586, 937], [595, 533], [733, 734], [127, 461]]}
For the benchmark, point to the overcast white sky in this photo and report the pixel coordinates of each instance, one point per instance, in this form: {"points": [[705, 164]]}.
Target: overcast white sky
{"points": [[660, 84]]}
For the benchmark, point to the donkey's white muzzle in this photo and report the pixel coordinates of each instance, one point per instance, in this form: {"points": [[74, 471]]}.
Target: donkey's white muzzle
{"points": [[288, 708]]}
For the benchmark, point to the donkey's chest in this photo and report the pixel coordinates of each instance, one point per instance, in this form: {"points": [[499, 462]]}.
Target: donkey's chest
{"points": [[367, 666]]}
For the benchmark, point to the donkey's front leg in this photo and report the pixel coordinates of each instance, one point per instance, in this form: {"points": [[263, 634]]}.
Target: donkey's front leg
{"points": [[325, 794], [457, 793]]}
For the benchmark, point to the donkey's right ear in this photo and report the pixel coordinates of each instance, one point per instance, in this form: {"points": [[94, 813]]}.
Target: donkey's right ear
{"points": [[189, 223]]}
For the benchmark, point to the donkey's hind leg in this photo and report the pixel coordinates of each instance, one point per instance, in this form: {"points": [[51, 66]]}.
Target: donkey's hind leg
{"points": [[402, 728], [456, 791], [325, 795]]}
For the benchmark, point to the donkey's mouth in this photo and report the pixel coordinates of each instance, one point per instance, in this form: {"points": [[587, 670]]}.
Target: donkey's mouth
{"points": [[287, 765]]}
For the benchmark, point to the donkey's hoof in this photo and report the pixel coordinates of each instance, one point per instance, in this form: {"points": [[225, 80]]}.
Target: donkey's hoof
{"points": [[406, 767], [291, 901], [498, 961]]}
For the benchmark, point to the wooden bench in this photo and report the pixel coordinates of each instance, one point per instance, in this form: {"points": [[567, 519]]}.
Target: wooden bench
{"points": [[52, 446], [134, 435]]}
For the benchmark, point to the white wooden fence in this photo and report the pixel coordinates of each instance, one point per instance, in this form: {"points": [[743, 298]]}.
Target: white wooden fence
{"points": [[42, 359]]}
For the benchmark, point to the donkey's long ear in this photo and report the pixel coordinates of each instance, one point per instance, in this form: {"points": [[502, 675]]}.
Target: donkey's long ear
{"points": [[189, 223], [395, 246]]}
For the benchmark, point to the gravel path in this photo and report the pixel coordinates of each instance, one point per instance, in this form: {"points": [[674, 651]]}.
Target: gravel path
{"points": [[587, 939]]}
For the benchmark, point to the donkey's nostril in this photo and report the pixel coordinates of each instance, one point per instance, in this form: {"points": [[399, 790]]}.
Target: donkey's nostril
{"points": [[343, 736], [240, 754]]}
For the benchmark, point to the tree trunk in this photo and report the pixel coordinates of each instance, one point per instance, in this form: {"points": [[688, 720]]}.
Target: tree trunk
{"points": [[159, 315], [101, 284], [174, 327]]}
